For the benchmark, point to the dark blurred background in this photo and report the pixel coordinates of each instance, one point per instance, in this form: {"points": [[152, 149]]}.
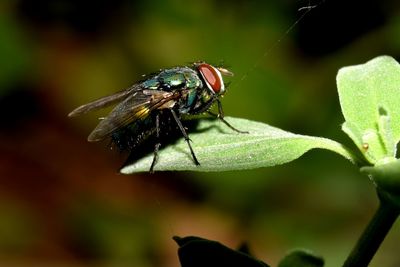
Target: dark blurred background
{"points": [[62, 201]]}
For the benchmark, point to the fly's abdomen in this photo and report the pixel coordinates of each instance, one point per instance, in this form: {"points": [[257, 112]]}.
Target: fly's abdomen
{"points": [[143, 132], [134, 134]]}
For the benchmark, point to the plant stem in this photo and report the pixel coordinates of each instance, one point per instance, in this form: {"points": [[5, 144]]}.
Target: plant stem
{"points": [[374, 234]]}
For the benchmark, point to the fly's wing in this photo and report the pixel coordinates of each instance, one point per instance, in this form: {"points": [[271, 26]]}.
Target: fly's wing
{"points": [[136, 106], [104, 101]]}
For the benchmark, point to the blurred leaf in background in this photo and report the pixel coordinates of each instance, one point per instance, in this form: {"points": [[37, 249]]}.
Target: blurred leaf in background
{"points": [[15, 51]]}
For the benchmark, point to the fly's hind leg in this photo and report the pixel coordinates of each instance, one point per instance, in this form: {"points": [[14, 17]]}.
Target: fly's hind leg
{"points": [[157, 145], [185, 135]]}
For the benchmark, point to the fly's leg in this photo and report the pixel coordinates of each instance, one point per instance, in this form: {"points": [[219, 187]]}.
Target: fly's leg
{"points": [[187, 139], [157, 145], [220, 116]]}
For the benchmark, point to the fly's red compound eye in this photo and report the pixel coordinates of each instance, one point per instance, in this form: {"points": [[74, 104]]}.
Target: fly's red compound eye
{"points": [[212, 77]]}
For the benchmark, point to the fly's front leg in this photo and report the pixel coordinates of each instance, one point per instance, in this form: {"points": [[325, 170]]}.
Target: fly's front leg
{"points": [[220, 116], [185, 135], [157, 145]]}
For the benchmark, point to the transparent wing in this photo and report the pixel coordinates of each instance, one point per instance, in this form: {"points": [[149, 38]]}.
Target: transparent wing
{"points": [[104, 101], [136, 106]]}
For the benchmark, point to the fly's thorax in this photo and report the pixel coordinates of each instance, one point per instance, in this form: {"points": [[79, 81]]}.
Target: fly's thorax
{"points": [[187, 100], [178, 78], [193, 80], [151, 84], [205, 96], [195, 101]]}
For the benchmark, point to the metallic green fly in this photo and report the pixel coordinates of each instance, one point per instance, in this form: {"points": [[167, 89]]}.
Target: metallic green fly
{"points": [[154, 106]]}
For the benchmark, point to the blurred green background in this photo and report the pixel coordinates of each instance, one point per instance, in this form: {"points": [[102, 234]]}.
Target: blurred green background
{"points": [[62, 201]]}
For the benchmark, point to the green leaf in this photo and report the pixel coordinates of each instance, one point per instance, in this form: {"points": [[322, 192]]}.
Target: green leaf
{"points": [[370, 99], [386, 176], [301, 258], [218, 148]]}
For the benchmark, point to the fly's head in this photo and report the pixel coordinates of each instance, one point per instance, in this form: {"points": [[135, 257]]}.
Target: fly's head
{"points": [[212, 77]]}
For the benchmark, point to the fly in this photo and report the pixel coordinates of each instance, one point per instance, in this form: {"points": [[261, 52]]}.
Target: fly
{"points": [[156, 104]]}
